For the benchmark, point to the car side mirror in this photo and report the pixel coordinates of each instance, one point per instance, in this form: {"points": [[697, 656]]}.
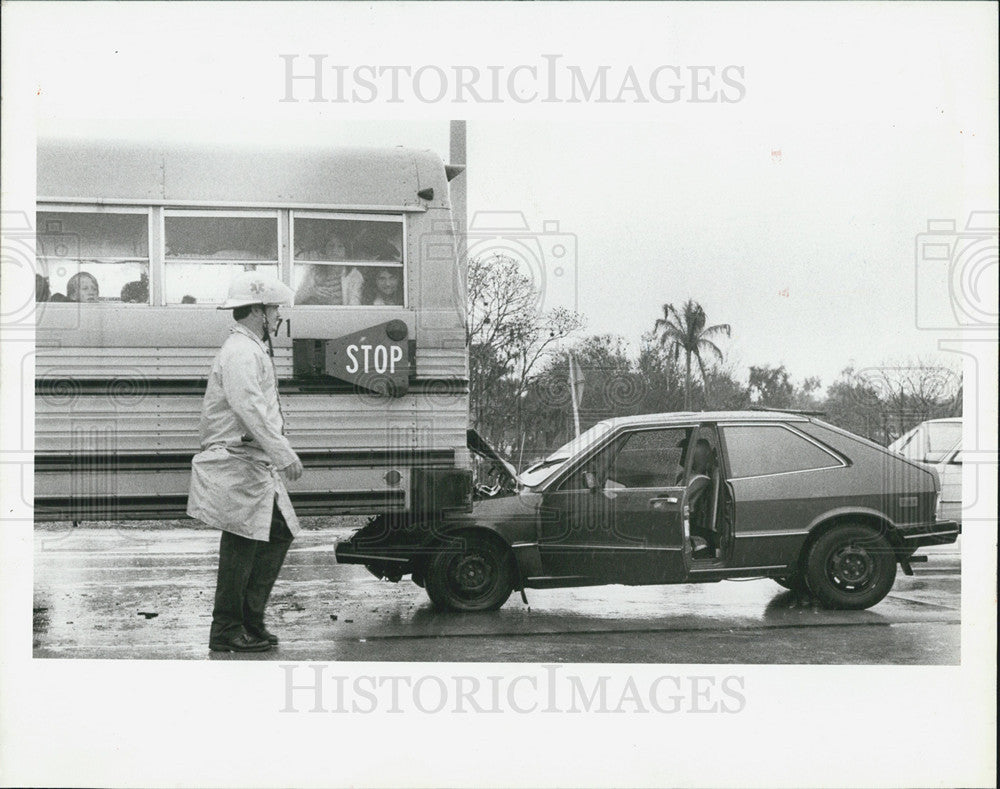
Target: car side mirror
{"points": [[590, 480]]}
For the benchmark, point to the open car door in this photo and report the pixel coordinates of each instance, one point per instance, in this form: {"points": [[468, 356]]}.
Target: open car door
{"points": [[618, 516]]}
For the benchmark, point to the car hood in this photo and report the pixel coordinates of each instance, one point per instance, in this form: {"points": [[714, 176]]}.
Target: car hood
{"points": [[481, 447], [505, 509], [535, 476], [530, 477]]}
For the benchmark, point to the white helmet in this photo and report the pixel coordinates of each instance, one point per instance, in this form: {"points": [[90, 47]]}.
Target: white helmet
{"points": [[254, 287]]}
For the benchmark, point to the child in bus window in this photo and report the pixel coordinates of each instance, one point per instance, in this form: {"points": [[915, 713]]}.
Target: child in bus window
{"points": [[83, 287], [41, 288], [386, 288], [330, 286], [320, 285], [137, 291], [352, 283], [333, 249], [380, 243]]}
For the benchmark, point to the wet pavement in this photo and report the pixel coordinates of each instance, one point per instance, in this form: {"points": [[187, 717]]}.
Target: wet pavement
{"points": [[147, 594]]}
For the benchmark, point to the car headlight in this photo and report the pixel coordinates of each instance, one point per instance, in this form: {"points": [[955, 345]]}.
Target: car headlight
{"points": [[938, 507]]}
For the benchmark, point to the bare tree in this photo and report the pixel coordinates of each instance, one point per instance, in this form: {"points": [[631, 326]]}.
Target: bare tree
{"points": [[507, 335], [884, 402], [911, 392]]}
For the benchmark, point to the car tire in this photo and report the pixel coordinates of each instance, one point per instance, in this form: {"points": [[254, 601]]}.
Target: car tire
{"points": [[476, 573], [850, 567], [795, 582]]}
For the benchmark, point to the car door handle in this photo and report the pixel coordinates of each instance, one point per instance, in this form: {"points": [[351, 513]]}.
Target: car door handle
{"points": [[662, 502]]}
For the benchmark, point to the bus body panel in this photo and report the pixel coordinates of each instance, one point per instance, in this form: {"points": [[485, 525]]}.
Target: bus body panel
{"points": [[125, 172], [119, 385], [74, 423]]}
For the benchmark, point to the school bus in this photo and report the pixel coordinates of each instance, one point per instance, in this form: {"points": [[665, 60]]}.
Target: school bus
{"points": [[136, 245]]}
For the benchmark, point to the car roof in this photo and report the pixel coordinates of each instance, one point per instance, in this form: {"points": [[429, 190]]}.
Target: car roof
{"points": [[678, 417]]}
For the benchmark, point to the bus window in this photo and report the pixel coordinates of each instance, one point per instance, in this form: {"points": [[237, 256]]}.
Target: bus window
{"points": [[351, 260], [93, 257], [203, 250], [368, 239]]}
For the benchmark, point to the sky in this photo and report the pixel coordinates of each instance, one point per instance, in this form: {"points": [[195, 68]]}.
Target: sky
{"points": [[808, 253], [791, 214]]}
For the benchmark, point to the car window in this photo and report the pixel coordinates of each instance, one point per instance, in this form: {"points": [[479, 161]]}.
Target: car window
{"points": [[908, 445], [638, 459], [942, 438], [650, 459], [757, 450], [581, 442], [543, 470]]}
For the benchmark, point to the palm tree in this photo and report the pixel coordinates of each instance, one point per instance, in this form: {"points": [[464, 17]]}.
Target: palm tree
{"points": [[684, 331]]}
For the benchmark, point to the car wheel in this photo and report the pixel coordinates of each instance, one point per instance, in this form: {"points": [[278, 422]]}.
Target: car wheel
{"points": [[850, 567], [795, 582], [476, 575]]}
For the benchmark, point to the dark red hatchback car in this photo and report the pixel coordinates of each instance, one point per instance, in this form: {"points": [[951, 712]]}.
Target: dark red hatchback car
{"points": [[680, 498]]}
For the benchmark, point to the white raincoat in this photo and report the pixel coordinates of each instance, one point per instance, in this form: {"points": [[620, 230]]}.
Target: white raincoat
{"points": [[234, 479]]}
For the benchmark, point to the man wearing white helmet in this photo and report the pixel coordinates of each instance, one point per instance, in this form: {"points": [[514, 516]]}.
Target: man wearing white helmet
{"points": [[236, 480]]}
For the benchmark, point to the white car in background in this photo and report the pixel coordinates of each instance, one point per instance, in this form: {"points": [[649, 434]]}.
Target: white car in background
{"points": [[938, 443]]}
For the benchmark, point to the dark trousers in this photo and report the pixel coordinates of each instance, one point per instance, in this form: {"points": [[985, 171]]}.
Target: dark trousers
{"points": [[247, 572]]}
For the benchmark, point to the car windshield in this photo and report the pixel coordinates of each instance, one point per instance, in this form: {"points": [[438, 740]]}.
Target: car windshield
{"points": [[929, 441], [943, 436], [538, 472]]}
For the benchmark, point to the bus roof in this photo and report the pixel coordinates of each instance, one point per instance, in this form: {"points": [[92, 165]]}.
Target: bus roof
{"points": [[228, 175]]}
